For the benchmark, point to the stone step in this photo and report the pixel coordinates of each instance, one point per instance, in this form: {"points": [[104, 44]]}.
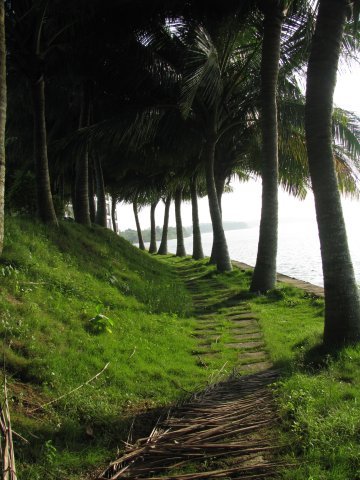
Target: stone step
{"points": [[245, 323], [255, 367], [252, 355], [210, 336], [245, 345], [240, 316], [239, 335]]}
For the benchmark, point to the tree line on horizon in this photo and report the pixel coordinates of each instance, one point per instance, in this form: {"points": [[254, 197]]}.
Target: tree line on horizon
{"points": [[170, 100]]}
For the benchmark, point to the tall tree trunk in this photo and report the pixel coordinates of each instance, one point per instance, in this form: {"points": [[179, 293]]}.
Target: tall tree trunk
{"points": [[45, 205], [163, 249], [264, 276], [223, 261], [342, 310], [220, 185], [198, 253], [113, 213], [81, 207], [141, 241], [180, 246], [153, 246], [3, 102], [92, 208], [100, 218]]}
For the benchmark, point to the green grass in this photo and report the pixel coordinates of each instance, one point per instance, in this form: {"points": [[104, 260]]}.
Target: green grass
{"points": [[52, 283], [318, 394]]}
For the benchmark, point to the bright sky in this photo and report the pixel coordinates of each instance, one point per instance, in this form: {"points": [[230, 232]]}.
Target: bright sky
{"points": [[244, 203]]}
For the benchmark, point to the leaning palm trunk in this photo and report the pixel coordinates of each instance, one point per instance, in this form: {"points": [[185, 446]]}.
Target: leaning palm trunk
{"points": [[45, 205], [198, 253], [342, 311], [113, 213], [163, 249], [153, 246], [81, 207], [100, 218], [222, 257], [138, 228], [180, 246], [2, 120], [264, 276]]}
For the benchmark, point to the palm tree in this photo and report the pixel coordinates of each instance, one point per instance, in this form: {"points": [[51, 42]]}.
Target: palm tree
{"points": [[153, 246], [216, 91], [81, 205], [264, 276], [163, 250], [138, 228], [342, 307], [113, 212], [100, 217], [33, 36], [180, 247], [2, 120], [198, 253]]}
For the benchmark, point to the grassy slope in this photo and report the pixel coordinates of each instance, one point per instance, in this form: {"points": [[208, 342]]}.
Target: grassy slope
{"points": [[52, 282]]}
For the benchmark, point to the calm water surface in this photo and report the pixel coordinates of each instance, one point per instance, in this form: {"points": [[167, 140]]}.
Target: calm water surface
{"points": [[298, 252]]}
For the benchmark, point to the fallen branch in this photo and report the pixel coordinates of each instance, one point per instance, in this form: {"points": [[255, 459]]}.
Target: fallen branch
{"points": [[71, 391]]}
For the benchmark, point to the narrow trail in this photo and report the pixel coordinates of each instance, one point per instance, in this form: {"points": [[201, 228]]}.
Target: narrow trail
{"points": [[225, 431]]}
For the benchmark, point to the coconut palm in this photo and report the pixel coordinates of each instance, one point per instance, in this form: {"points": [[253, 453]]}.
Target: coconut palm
{"points": [[36, 27], [264, 276], [342, 308], [153, 246], [163, 249], [180, 247], [198, 253]]}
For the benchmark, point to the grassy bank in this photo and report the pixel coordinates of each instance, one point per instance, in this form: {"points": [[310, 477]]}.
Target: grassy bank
{"points": [[72, 300]]}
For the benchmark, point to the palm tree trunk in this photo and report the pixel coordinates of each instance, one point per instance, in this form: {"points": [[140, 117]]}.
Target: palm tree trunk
{"points": [[180, 247], [163, 249], [141, 241], [113, 213], [81, 207], [198, 253], [92, 208], [223, 261], [45, 203], [264, 277], [220, 185], [342, 310], [3, 104], [153, 246], [100, 218]]}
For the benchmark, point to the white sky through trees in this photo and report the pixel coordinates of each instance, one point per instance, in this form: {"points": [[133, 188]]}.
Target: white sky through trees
{"points": [[244, 203]]}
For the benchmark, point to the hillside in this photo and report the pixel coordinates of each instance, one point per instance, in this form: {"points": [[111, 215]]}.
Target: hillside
{"points": [[81, 304], [61, 290]]}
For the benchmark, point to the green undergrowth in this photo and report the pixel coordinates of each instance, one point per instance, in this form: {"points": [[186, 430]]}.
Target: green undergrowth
{"points": [[318, 394], [73, 300]]}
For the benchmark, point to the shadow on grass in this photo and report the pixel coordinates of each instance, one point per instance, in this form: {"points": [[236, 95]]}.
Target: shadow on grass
{"points": [[108, 434], [310, 358]]}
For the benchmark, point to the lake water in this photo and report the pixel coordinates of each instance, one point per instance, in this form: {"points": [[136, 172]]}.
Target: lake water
{"points": [[298, 250]]}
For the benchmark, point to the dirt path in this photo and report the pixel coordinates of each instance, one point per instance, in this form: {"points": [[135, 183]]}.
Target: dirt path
{"points": [[225, 431]]}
